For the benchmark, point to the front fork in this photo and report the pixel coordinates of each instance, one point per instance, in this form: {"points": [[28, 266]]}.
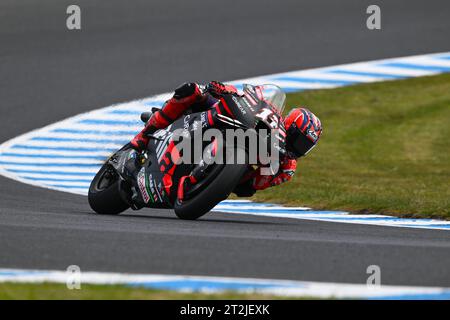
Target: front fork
{"points": [[198, 173]]}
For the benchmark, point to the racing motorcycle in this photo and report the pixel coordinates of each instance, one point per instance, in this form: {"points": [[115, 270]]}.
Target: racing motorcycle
{"points": [[154, 179]]}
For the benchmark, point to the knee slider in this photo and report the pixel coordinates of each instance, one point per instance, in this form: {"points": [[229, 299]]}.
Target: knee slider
{"points": [[185, 90]]}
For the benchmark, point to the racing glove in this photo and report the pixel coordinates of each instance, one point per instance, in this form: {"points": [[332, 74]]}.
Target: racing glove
{"points": [[217, 89], [284, 174]]}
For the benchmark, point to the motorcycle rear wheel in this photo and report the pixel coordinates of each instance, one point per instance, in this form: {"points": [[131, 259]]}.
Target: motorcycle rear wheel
{"points": [[104, 196]]}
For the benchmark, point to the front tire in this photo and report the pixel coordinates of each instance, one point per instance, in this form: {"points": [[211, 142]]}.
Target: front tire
{"points": [[218, 190], [104, 196]]}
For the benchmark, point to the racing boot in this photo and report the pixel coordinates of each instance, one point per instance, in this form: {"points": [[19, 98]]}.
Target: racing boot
{"points": [[184, 97], [140, 141]]}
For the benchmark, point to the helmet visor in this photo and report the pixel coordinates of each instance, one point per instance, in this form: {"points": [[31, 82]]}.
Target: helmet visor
{"points": [[299, 144]]}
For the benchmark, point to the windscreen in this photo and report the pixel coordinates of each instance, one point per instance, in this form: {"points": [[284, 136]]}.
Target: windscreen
{"points": [[270, 93]]}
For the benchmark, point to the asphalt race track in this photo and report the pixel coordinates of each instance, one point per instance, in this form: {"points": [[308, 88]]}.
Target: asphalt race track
{"points": [[132, 49]]}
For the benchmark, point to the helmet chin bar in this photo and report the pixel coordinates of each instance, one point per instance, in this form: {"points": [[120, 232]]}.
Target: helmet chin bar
{"points": [[310, 149]]}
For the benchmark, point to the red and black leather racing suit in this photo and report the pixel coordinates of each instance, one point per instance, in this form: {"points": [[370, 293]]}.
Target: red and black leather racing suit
{"points": [[190, 95]]}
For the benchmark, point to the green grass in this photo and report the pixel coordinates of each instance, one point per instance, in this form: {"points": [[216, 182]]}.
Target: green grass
{"points": [[54, 291], [385, 149]]}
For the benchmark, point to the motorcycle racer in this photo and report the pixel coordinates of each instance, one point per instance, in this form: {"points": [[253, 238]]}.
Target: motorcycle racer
{"points": [[303, 130]]}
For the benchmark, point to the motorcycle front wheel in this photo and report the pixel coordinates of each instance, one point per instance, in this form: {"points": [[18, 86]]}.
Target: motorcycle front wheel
{"points": [[218, 190]]}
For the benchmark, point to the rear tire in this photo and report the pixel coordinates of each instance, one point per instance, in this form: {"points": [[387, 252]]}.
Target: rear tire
{"points": [[106, 200], [218, 190]]}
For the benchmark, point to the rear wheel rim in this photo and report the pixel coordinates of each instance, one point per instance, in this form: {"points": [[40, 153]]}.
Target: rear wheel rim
{"points": [[106, 179]]}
